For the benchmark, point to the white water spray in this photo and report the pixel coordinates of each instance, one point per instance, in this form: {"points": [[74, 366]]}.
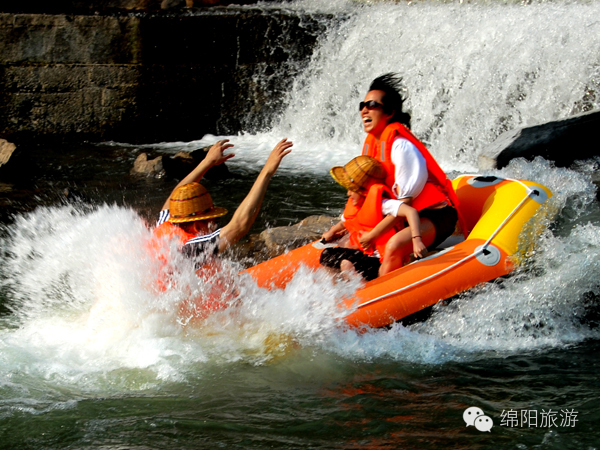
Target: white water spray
{"points": [[78, 281], [81, 286]]}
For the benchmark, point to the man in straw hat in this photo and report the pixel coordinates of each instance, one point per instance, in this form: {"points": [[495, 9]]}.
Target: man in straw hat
{"points": [[369, 219], [189, 213]]}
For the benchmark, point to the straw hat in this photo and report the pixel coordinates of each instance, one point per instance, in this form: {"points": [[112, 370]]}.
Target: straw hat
{"points": [[192, 202], [359, 174]]}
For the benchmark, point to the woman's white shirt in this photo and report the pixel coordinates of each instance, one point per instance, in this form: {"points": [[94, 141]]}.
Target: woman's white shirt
{"points": [[410, 174]]}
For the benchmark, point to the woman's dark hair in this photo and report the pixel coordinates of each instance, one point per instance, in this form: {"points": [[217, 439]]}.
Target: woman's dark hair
{"points": [[391, 84]]}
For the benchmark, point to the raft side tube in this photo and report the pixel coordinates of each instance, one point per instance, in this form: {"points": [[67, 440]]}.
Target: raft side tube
{"points": [[277, 272]]}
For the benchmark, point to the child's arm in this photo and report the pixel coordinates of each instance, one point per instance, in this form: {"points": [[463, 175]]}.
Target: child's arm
{"points": [[336, 230], [414, 223], [386, 223]]}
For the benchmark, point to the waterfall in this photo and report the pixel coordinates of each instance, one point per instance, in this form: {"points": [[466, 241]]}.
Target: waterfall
{"points": [[471, 71]]}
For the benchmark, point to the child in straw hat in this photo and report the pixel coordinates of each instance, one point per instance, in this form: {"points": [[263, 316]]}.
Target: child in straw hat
{"points": [[189, 213], [369, 219]]}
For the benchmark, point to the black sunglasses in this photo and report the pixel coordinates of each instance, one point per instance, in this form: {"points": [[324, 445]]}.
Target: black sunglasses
{"points": [[371, 104]]}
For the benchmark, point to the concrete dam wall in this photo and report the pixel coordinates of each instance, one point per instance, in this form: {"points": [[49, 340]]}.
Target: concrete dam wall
{"points": [[147, 77]]}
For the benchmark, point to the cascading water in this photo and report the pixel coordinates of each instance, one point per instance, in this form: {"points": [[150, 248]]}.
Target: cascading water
{"points": [[471, 72], [82, 321]]}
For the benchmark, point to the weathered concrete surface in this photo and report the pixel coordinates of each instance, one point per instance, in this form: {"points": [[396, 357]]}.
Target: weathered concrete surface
{"points": [[147, 77], [73, 6], [563, 141], [92, 6], [67, 75]]}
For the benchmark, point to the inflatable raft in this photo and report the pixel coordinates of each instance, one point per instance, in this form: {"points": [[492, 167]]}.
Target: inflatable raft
{"points": [[497, 212]]}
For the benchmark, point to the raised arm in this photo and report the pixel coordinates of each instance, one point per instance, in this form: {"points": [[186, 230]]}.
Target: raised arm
{"points": [[214, 157], [246, 213]]}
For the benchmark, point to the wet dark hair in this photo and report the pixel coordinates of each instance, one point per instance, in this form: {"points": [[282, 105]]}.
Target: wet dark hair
{"points": [[391, 84]]}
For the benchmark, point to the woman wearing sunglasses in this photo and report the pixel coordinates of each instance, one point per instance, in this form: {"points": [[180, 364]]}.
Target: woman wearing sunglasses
{"points": [[413, 175]]}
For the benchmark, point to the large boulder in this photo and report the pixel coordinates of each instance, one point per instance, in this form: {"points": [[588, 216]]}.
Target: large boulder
{"points": [[563, 141], [278, 240], [273, 242], [143, 166]]}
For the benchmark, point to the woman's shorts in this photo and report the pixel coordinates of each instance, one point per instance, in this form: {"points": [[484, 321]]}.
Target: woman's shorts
{"points": [[444, 220], [367, 266]]}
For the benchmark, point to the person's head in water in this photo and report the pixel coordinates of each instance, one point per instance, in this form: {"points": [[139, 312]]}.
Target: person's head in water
{"points": [[383, 104], [191, 208]]}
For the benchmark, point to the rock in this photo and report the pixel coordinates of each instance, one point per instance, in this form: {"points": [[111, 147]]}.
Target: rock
{"points": [[184, 156], [5, 187], [142, 166], [563, 141], [6, 151], [179, 165], [276, 241], [220, 172], [281, 239]]}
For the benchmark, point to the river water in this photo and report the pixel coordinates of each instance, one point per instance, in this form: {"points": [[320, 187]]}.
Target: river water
{"points": [[92, 358]]}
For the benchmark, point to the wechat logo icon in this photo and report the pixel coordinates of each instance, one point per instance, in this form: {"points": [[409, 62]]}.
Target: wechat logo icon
{"points": [[474, 416]]}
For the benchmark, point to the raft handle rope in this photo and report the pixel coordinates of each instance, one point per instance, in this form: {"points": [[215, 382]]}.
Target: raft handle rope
{"points": [[482, 249]]}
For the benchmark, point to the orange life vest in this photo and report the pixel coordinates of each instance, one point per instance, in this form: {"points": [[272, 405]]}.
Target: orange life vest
{"points": [[157, 246], [365, 217], [167, 230], [438, 187], [192, 309]]}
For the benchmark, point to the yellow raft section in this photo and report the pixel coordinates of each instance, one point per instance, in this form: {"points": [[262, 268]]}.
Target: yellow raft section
{"points": [[496, 212]]}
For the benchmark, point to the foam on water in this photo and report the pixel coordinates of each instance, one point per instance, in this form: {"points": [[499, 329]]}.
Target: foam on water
{"points": [[542, 308]]}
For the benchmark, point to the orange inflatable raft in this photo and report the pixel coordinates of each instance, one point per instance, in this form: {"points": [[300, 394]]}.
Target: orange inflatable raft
{"points": [[497, 212]]}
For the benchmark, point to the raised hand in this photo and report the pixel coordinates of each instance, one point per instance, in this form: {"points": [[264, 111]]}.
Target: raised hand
{"points": [[282, 148], [215, 154]]}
